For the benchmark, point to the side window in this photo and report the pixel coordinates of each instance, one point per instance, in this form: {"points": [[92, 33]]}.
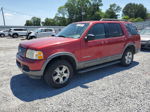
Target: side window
{"points": [[48, 30], [115, 30], [42, 30], [24, 30], [98, 30], [131, 29], [20, 30]]}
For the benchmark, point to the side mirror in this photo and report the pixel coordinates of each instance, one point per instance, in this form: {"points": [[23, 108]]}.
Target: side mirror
{"points": [[90, 37]]}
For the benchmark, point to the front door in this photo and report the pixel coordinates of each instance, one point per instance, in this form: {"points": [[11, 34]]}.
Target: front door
{"points": [[93, 49]]}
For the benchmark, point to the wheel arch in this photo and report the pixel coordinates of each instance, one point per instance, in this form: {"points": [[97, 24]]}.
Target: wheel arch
{"points": [[130, 46], [2, 34], [62, 56], [15, 33]]}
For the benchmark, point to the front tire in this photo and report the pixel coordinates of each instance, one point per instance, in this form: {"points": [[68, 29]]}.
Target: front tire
{"points": [[2, 35], [58, 73], [15, 35], [31, 37], [127, 57]]}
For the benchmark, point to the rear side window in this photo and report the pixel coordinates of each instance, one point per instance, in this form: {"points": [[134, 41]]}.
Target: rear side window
{"points": [[20, 29], [131, 29], [114, 30], [48, 30], [98, 30], [42, 30]]}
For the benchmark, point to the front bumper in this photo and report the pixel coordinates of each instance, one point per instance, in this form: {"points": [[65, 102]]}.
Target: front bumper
{"points": [[145, 44], [30, 67]]}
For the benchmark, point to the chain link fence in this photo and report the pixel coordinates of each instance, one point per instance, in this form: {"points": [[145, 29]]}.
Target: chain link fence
{"points": [[31, 28], [140, 26]]}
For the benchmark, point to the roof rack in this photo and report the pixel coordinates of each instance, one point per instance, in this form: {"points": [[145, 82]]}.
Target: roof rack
{"points": [[113, 19]]}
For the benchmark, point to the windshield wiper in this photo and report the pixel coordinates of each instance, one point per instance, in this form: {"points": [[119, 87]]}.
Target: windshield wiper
{"points": [[63, 36], [60, 36]]}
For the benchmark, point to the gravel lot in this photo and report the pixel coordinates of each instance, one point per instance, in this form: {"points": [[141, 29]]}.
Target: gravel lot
{"points": [[112, 89]]}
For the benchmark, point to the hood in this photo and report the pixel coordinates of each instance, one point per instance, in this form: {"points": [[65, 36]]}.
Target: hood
{"points": [[145, 37], [46, 42], [32, 33]]}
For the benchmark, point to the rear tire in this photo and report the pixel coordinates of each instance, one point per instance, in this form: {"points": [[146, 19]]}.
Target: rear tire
{"points": [[15, 35], [127, 57], [58, 73]]}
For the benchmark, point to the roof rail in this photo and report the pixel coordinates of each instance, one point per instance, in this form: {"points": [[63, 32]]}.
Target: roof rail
{"points": [[103, 19]]}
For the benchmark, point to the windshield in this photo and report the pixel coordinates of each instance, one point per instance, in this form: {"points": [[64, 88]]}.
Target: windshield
{"points": [[74, 30], [145, 32], [37, 30]]}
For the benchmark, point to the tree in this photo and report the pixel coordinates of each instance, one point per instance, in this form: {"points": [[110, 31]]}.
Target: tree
{"points": [[49, 22], [94, 11], [61, 21], [28, 23], [62, 12], [138, 19], [126, 17], [113, 11], [148, 15], [135, 10], [36, 21], [79, 10]]}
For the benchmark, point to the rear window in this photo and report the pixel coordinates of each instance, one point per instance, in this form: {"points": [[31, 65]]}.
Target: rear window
{"points": [[131, 29], [115, 30]]}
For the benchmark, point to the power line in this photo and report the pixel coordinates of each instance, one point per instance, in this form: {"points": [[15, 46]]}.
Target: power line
{"points": [[21, 13]]}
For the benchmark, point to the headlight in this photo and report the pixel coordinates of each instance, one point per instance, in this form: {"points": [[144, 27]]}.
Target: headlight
{"points": [[32, 54]]}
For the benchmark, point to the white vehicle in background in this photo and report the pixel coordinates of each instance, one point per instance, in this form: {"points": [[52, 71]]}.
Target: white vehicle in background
{"points": [[145, 38], [4, 33], [16, 32], [41, 32]]}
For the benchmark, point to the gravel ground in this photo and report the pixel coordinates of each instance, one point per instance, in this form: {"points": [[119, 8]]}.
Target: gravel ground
{"points": [[111, 89]]}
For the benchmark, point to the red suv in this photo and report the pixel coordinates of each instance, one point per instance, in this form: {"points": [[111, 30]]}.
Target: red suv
{"points": [[82, 47]]}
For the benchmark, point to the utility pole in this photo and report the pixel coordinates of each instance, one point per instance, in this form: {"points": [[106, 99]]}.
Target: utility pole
{"points": [[3, 16]]}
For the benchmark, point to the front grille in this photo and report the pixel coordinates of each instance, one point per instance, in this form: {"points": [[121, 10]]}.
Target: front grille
{"points": [[21, 51]]}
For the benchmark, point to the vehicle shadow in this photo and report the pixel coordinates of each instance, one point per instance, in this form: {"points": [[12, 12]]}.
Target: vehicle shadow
{"points": [[27, 89], [20, 37]]}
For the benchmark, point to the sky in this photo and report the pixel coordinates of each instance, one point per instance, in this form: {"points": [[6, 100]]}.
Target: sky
{"points": [[18, 11]]}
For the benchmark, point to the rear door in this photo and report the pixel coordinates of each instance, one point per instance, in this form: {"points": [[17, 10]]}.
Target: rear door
{"points": [[49, 32], [114, 43], [42, 33]]}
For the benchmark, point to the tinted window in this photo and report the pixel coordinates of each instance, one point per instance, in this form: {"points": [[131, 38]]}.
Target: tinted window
{"points": [[42, 30], [115, 30], [20, 30], [98, 30], [131, 29], [48, 30]]}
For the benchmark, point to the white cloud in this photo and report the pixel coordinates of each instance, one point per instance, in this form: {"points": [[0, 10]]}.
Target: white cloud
{"points": [[8, 14], [14, 19]]}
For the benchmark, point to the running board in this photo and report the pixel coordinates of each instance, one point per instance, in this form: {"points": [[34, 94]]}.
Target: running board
{"points": [[98, 67]]}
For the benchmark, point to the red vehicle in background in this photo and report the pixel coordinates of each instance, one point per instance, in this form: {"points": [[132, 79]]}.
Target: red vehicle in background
{"points": [[82, 47]]}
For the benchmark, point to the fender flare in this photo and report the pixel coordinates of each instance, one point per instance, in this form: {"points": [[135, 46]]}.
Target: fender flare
{"points": [[127, 45], [51, 57]]}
